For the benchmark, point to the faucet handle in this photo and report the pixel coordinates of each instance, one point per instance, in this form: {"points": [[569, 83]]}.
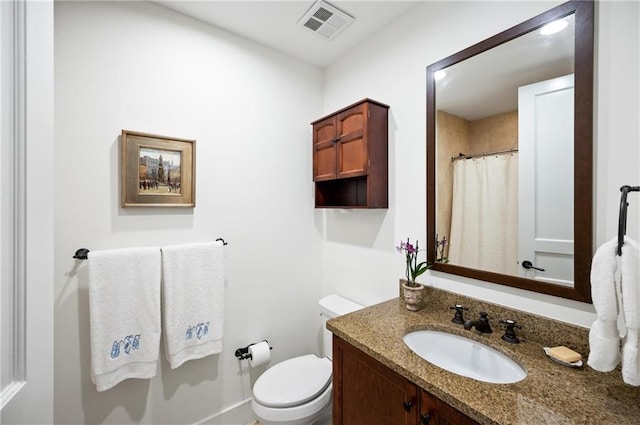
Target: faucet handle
{"points": [[458, 318], [510, 332], [510, 324]]}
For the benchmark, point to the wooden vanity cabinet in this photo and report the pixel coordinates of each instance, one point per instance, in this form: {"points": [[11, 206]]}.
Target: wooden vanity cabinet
{"points": [[434, 411], [366, 392], [350, 157]]}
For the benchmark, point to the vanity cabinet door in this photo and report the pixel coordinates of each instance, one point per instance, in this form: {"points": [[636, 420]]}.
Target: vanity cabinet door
{"points": [[434, 411], [365, 392]]}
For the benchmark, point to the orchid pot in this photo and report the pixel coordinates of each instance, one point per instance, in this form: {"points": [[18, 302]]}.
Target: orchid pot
{"points": [[413, 294], [412, 291]]}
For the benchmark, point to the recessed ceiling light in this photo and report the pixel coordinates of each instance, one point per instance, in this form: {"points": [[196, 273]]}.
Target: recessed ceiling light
{"points": [[439, 75], [554, 27]]}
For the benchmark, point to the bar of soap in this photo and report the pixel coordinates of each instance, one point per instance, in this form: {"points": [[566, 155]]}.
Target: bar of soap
{"points": [[564, 354]]}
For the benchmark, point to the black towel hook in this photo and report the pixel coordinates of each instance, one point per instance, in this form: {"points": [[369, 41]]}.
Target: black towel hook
{"points": [[622, 216]]}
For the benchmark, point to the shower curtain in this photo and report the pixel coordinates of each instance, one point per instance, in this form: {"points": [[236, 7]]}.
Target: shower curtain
{"points": [[484, 217]]}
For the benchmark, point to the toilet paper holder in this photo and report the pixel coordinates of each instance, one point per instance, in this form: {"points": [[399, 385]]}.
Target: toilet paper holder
{"points": [[243, 353]]}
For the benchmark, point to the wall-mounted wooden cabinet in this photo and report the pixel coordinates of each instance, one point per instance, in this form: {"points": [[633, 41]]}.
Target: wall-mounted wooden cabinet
{"points": [[366, 392], [350, 157]]}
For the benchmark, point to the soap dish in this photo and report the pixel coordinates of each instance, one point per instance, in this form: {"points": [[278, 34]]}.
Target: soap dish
{"points": [[574, 364]]}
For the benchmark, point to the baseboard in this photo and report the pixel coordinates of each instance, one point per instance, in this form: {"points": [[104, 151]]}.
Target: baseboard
{"points": [[237, 414]]}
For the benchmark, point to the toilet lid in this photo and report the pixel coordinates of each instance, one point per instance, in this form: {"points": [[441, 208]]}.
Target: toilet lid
{"points": [[293, 382]]}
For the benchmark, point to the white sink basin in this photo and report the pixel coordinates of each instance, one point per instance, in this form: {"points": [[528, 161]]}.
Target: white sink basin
{"points": [[464, 356]]}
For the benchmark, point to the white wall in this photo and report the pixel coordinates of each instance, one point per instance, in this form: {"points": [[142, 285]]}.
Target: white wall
{"points": [[139, 66], [359, 255]]}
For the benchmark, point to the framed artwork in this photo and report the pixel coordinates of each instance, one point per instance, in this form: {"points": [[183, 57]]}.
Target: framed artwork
{"points": [[157, 171]]}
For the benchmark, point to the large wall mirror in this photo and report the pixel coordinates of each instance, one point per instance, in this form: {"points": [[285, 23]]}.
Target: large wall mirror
{"points": [[509, 156]]}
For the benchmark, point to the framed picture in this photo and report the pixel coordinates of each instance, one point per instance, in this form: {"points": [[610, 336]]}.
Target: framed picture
{"points": [[157, 171]]}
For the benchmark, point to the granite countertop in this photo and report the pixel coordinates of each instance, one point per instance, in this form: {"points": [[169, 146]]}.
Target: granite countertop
{"points": [[551, 393]]}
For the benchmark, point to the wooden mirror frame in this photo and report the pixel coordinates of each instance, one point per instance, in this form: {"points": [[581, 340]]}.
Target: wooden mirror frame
{"points": [[583, 151]]}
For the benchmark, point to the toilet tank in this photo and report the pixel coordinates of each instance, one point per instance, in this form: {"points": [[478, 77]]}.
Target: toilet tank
{"points": [[333, 306]]}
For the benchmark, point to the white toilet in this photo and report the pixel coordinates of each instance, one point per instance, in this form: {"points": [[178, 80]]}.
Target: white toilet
{"points": [[298, 391]]}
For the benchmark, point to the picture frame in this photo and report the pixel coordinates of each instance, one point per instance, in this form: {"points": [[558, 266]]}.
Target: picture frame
{"points": [[157, 171]]}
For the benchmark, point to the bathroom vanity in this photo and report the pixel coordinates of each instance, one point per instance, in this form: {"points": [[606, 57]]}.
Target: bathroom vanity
{"points": [[379, 380], [368, 392]]}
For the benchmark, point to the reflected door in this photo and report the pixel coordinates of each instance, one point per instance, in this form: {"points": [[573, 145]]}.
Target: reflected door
{"points": [[545, 132]]}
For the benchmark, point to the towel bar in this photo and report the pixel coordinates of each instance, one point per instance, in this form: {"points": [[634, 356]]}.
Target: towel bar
{"points": [[622, 216], [81, 253]]}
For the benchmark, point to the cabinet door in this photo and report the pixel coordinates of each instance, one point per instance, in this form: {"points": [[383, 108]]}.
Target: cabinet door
{"points": [[365, 392], [324, 149], [352, 154], [434, 411]]}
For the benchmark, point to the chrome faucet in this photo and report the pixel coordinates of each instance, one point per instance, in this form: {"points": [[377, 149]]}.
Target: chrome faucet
{"points": [[482, 324]]}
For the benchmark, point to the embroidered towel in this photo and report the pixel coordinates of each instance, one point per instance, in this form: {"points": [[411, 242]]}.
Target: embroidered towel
{"points": [[630, 271], [124, 314], [604, 339], [193, 300]]}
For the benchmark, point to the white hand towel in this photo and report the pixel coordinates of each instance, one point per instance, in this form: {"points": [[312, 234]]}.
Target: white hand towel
{"points": [[630, 358], [124, 313], [193, 300], [604, 339], [630, 269]]}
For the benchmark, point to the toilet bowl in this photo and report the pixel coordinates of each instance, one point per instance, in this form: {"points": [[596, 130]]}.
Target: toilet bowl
{"points": [[294, 392], [298, 391]]}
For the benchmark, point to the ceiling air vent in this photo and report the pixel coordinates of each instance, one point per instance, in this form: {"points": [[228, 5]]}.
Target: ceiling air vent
{"points": [[325, 20]]}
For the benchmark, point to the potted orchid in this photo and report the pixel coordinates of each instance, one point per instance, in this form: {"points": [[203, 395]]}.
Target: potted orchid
{"points": [[412, 289], [441, 244]]}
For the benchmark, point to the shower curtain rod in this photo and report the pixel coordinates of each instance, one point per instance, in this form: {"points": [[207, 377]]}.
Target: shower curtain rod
{"points": [[479, 155]]}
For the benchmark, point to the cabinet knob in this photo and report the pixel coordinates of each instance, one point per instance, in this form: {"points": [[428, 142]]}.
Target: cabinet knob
{"points": [[407, 406], [425, 419]]}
